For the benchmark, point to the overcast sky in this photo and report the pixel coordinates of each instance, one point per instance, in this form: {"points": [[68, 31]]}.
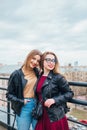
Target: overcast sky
{"points": [[48, 25]]}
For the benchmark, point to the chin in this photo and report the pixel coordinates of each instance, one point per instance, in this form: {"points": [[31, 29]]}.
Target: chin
{"points": [[50, 68], [31, 66]]}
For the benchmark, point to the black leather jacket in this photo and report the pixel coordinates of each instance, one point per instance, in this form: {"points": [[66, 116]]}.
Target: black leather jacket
{"points": [[16, 85], [56, 87]]}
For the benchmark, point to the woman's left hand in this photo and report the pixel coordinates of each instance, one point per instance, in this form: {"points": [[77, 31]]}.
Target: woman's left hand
{"points": [[49, 102]]}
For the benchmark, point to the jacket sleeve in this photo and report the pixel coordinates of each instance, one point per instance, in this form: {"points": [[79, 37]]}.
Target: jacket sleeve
{"points": [[12, 88], [65, 92]]}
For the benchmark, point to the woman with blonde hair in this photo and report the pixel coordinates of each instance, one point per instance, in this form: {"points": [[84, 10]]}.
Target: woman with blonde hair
{"points": [[54, 92], [20, 90]]}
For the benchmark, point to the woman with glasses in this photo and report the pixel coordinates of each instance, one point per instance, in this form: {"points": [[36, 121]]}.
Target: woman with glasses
{"points": [[21, 92], [54, 91]]}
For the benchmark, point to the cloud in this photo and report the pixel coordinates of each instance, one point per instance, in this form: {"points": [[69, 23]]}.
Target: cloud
{"points": [[80, 27], [59, 26]]}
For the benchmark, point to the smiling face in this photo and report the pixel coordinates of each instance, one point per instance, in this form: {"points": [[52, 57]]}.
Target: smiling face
{"points": [[34, 61], [49, 62]]}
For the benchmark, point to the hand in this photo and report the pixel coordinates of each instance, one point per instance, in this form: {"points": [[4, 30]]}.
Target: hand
{"points": [[26, 100], [49, 102]]}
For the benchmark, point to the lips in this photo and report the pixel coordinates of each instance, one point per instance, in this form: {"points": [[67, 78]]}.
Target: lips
{"points": [[51, 66], [34, 65]]}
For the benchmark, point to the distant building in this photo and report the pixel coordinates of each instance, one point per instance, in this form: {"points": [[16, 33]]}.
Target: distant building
{"points": [[8, 69], [76, 63], [1, 64], [72, 73], [5, 72]]}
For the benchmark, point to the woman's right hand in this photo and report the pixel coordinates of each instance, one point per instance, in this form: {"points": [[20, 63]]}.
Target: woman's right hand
{"points": [[26, 100], [49, 102]]}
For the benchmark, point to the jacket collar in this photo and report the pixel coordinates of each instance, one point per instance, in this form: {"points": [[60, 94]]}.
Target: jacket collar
{"points": [[48, 79], [50, 75]]}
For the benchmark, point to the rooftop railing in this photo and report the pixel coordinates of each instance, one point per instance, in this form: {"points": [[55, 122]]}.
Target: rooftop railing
{"points": [[8, 112]]}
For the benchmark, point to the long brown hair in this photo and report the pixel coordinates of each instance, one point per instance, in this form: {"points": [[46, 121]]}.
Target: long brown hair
{"points": [[30, 56], [56, 68]]}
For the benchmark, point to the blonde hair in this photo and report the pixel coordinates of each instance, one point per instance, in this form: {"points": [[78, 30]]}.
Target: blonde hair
{"points": [[56, 68], [30, 56]]}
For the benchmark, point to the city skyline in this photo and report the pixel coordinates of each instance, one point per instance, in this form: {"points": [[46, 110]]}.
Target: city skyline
{"points": [[59, 26]]}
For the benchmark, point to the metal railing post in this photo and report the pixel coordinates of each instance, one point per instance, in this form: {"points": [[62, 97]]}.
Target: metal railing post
{"points": [[8, 115]]}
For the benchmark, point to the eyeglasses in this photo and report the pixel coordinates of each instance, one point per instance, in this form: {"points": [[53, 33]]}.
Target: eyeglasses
{"points": [[48, 60]]}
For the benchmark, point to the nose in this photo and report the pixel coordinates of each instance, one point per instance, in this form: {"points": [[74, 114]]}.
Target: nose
{"points": [[35, 62]]}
